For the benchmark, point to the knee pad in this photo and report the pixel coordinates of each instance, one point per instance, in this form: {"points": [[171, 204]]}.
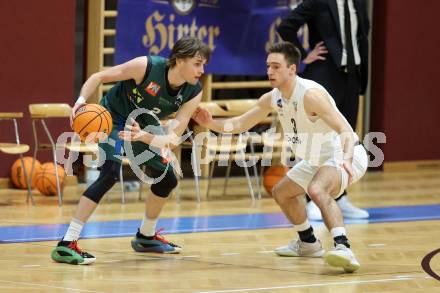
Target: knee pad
{"points": [[164, 187], [107, 178]]}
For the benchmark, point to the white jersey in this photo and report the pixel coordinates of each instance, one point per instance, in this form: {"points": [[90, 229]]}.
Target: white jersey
{"points": [[313, 141]]}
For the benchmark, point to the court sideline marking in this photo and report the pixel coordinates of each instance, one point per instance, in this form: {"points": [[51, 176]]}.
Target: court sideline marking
{"points": [[397, 278], [48, 286]]}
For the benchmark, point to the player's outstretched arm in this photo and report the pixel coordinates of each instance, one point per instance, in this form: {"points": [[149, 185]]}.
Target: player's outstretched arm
{"points": [[133, 69], [134, 132], [176, 127], [236, 124]]}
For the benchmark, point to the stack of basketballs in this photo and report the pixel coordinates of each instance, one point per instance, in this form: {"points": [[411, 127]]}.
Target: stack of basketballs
{"points": [[43, 175], [92, 123]]}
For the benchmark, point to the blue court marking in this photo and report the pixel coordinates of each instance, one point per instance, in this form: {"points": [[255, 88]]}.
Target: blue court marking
{"points": [[124, 228]]}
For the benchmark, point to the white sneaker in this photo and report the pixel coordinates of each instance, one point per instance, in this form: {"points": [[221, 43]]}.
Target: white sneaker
{"points": [[350, 211], [313, 212], [301, 249], [341, 256]]}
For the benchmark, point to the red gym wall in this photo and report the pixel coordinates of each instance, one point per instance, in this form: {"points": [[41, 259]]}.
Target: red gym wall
{"points": [[405, 99], [37, 64], [37, 59]]}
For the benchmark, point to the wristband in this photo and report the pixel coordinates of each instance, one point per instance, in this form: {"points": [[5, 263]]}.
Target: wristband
{"points": [[81, 100]]}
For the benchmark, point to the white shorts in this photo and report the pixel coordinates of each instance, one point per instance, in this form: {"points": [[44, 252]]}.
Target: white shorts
{"points": [[302, 173]]}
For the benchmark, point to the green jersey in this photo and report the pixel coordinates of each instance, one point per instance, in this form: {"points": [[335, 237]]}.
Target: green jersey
{"points": [[153, 94]]}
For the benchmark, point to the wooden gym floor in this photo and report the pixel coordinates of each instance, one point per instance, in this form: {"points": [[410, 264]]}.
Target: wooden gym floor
{"points": [[235, 255]]}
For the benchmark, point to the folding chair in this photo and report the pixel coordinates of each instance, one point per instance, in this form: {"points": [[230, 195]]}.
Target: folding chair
{"points": [[221, 152], [242, 106], [17, 149], [239, 107]]}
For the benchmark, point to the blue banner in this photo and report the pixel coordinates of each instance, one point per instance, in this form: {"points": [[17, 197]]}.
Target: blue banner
{"points": [[238, 31]]}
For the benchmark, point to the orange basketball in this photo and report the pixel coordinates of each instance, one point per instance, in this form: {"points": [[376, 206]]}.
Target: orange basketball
{"points": [[92, 122], [17, 174], [272, 176], [46, 181]]}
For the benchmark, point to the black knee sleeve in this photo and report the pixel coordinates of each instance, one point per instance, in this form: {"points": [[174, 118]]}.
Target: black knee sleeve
{"points": [[107, 178], [164, 187]]}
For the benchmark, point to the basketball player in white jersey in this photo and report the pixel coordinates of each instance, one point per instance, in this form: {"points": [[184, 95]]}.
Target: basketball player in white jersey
{"points": [[332, 158]]}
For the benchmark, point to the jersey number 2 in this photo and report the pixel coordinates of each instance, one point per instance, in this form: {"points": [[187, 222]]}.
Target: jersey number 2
{"points": [[294, 125]]}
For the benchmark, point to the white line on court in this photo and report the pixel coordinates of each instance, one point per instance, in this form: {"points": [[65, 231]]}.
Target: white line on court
{"points": [[48, 286], [312, 285], [404, 277]]}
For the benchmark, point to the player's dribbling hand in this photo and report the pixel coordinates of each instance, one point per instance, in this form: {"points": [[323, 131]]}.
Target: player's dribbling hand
{"points": [[202, 116], [73, 113], [349, 169]]}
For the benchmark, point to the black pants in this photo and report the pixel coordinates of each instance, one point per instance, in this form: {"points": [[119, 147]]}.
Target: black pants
{"points": [[109, 175], [343, 87]]}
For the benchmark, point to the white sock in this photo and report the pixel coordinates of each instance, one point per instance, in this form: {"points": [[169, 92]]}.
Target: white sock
{"points": [[302, 227], [74, 230], [148, 227], [338, 231]]}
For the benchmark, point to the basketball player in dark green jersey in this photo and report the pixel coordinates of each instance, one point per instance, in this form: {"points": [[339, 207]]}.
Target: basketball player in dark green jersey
{"points": [[157, 87]]}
